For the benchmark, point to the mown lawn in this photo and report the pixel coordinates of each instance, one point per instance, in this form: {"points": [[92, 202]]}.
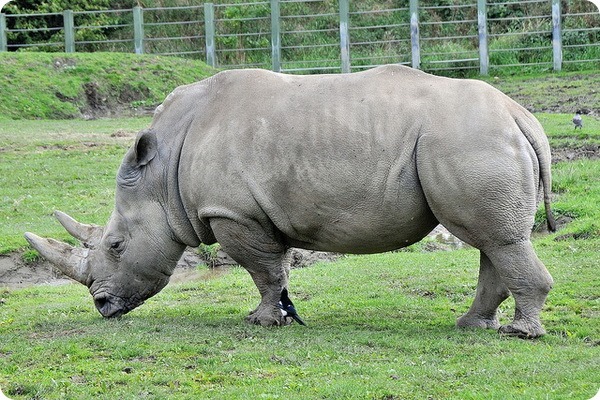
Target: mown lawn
{"points": [[379, 327]]}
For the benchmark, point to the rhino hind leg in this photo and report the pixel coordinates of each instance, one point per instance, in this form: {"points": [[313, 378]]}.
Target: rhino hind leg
{"points": [[491, 291], [488, 198], [263, 257], [528, 281], [510, 269]]}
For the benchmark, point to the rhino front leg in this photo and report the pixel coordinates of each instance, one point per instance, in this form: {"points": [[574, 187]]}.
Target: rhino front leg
{"points": [[263, 257], [491, 291]]}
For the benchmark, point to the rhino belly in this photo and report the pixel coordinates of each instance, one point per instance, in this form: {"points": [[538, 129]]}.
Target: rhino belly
{"points": [[366, 228]]}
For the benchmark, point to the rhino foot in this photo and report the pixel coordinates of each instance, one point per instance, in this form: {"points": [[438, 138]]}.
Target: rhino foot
{"points": [[523, 330], [268, 316]]}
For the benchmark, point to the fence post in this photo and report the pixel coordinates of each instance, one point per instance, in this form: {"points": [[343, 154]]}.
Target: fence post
{"points": [[3, 41], [484, 58], [276, 35], [138, 30], [414, 34], [556, 35], [69, 27], [345, 35], [209, 30]]}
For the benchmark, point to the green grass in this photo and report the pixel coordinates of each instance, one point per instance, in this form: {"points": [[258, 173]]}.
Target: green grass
{"points": [[561, 132], [564, 92]]}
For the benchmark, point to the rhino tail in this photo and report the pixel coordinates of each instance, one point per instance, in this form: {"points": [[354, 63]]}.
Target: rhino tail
{"points": [[534, 133]]}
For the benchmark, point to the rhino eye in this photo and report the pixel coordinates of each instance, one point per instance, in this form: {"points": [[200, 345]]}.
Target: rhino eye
{"points": [[116, 245]]}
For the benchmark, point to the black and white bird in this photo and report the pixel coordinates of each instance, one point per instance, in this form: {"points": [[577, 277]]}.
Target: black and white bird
{"points": [[577, 120], [287, 307]]}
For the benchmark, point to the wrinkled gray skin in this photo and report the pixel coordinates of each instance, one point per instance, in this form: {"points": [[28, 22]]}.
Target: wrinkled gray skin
{"points": [[356, 163]]}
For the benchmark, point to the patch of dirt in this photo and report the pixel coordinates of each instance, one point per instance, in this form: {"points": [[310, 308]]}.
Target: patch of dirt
{"points": [[98, 104], [542, 228], [15, 273], [590, 151], [443, 240], [300, 258], [62, 63]]}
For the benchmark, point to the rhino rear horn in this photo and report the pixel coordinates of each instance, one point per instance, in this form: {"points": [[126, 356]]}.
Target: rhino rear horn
{"points": [[88, 234], [72, 261]]}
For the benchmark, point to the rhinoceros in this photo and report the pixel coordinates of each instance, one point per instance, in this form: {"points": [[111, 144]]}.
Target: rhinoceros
{"points": [[360, 163]]}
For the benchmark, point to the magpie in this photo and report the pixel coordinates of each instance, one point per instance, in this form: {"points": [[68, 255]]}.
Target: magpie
{"points": [[287, 307]]}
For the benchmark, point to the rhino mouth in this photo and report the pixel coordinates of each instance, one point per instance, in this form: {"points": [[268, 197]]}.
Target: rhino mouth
{"points": [[111, 306]]}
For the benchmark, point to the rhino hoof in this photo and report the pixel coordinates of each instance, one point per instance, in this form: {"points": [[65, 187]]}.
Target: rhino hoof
{"points": [[470, 321], [270, 317], [514, 330]]}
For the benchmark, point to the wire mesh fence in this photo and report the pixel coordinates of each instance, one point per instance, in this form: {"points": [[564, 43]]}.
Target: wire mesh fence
{"points": [[175, 31], [301, 23], [522, 39], [101, 31], [317, 36], [382, 36]]}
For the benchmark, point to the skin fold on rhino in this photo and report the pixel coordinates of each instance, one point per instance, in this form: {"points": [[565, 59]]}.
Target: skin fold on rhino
{"points": [[354, 163]]}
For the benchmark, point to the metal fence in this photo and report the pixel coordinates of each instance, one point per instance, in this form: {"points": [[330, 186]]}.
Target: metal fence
{"points": [[299, 36]]}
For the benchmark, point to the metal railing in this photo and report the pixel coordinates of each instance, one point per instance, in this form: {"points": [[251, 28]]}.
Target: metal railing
{"points": [[299, 36]]}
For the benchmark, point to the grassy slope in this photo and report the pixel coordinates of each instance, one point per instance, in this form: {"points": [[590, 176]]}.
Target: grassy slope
{"points": [[53, 85], [124, 84]]}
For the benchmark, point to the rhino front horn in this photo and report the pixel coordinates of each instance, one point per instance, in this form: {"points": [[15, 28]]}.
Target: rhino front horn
{"points": [[72, 261], [88, 234]]}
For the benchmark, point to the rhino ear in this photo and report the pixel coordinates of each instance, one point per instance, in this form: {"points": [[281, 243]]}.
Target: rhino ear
{"points": [[139, 155], [146, 147]]}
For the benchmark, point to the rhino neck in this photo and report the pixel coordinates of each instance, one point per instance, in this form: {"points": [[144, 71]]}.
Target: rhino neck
{"points": [[176, 214]]}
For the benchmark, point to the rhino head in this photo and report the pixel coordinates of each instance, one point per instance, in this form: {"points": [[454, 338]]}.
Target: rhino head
{"points": [[132, 258]]}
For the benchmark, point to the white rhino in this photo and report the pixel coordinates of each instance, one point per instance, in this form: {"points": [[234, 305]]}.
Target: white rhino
{"points": [[353, 163]]}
